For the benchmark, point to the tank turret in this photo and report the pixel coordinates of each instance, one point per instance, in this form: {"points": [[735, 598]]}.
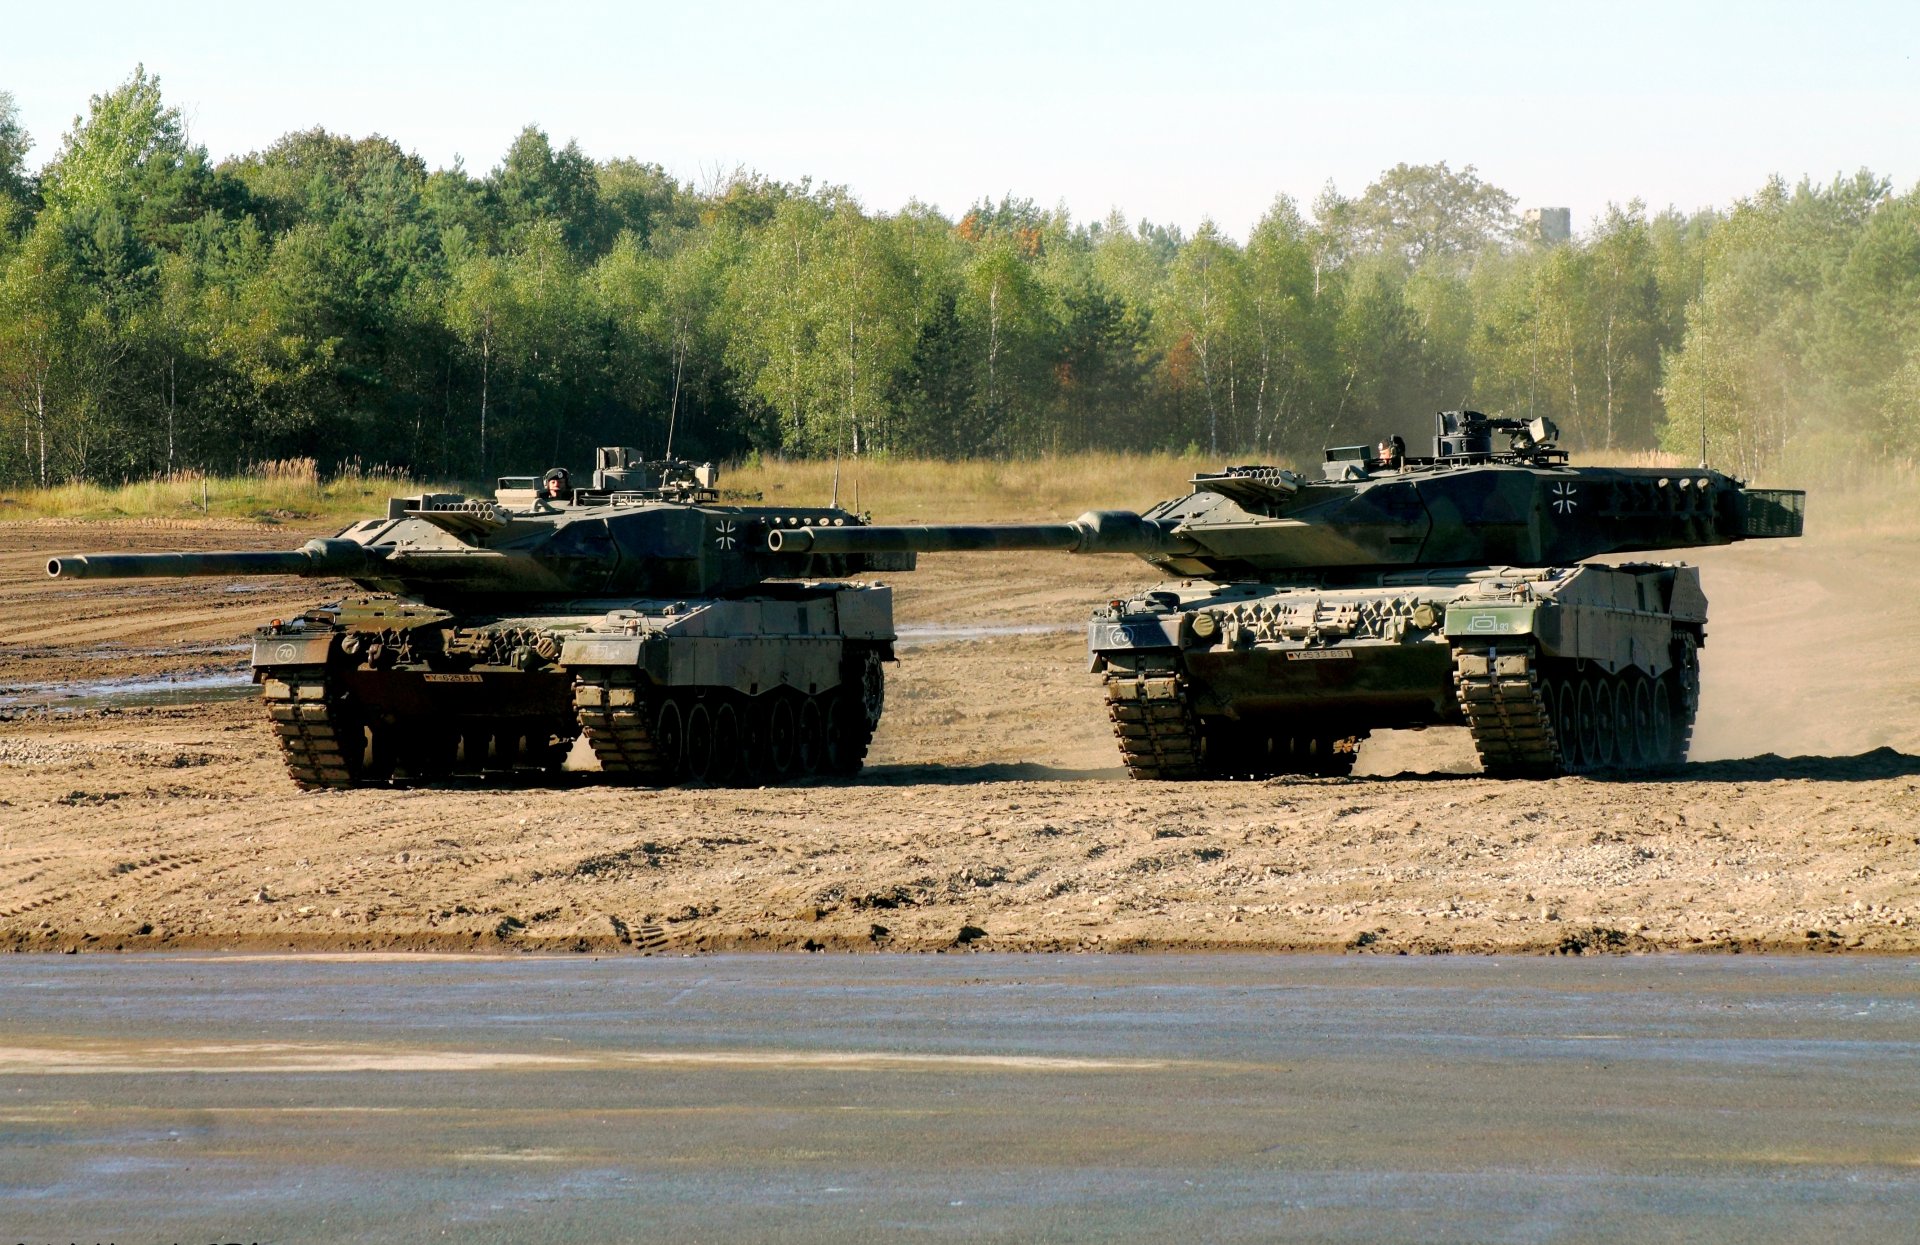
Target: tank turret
{"points": [[643, 529], [1395, 591], [642, 609], [1376, 507]]}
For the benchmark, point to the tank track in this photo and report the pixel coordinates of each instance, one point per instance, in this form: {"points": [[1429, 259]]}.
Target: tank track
{"points": [[1500, 692], [309, 723], [1516, 706], [328, 744], [1154, 722], [613, 716], [863, 685], [648, 736], [1686, 664], [1162, 738]]}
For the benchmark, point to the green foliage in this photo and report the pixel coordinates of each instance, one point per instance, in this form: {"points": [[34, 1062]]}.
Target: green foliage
{"points": [[332, 298], [1429, 212], [536, 185], [1803, 337], [16, 186], [127, 131]]}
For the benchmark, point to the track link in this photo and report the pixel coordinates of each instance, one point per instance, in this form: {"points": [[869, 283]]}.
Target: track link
{"points": [[1686, 675], [1502, 695], [619, 725], [1154, 722], [313, 731], [858, 704]]}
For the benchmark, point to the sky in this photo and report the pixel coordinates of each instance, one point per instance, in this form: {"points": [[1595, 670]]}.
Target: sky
{"points": [[1173, 113]]}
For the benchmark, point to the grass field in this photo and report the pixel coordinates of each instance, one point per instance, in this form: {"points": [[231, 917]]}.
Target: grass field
{"points": [[895, 490], [286, 491], [928, 491]]}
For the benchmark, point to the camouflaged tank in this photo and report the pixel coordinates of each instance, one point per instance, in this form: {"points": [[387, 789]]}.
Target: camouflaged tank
{"points": [[642, 612], [1400, 592]]}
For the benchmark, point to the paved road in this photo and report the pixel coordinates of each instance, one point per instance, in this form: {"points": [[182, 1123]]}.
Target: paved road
{"points": [[1225, 1098]]}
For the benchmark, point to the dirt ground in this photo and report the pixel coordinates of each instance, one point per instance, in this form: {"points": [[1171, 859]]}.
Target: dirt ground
{"points": [[993, 814]]}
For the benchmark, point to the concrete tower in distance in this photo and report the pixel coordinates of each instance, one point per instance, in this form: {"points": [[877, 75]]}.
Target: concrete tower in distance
{"points": [[1547, 226]]}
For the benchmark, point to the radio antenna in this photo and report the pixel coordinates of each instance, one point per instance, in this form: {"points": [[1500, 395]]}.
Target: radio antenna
{"points": [[673, 410], [1703, 430]]}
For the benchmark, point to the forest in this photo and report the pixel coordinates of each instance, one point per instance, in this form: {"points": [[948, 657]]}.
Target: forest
{"points": [[332, 298]]}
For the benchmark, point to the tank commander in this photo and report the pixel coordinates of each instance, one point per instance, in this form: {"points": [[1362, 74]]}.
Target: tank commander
{"points": [[1389, 454], [557, 485]]}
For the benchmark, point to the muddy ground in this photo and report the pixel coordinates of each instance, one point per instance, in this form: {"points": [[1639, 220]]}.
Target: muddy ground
{"points": [[993, 814]]}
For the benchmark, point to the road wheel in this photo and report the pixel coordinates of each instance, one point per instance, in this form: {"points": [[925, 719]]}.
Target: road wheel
{"points": [[1626, 750], [476, 749], [1604, 739], [699, 733], [782, 736], [430, 752], [1645, 751], [837, 741], [368, 749], [1660, 737], [669, 739], [1588, 731], [810, 741], [1565, 702], [727, 746], [849, 733], [754, 729]]}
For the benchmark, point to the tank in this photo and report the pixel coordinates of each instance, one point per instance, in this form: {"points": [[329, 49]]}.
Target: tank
{"points": [[1399, 592], [642, 611]]}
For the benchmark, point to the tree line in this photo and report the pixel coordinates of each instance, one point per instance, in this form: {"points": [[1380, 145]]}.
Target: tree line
{"points": [[332, 297]]}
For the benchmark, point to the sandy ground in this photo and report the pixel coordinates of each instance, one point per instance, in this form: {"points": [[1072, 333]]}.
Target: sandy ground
{"points": [[993, 815]]}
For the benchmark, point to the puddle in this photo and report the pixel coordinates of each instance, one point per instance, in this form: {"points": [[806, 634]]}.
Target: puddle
{"points": [[119, 652], [204, 686], [85, 694], [914, 635], [114, 651]]}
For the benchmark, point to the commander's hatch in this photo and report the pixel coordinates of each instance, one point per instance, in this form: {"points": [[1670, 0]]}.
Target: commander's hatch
{"points": [[517, 492]]}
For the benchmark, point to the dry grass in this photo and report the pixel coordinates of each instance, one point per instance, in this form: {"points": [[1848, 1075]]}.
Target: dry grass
{"points": [[930, 491], [290, 489], [895, 490]]}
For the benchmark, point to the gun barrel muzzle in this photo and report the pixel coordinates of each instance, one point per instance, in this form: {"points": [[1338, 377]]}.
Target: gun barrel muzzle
{"points": [[317, 558]]}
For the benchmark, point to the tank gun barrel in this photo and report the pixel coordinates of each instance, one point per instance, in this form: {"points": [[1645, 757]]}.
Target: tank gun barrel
{"points": [[1097, 531], [316, 559]]}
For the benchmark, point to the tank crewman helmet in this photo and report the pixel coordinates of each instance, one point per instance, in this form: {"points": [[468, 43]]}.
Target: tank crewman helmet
{"points": [[557, 485]]}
